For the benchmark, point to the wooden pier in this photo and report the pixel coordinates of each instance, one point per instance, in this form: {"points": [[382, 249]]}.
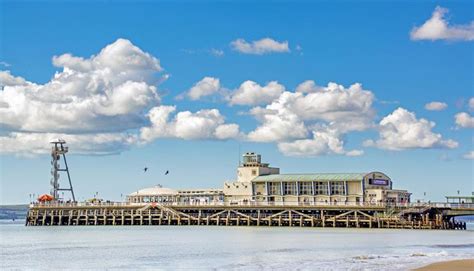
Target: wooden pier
{"points": [[390, 217]]}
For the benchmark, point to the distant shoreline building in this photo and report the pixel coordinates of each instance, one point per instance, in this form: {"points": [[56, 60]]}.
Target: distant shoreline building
{"points": [[257, 182]]}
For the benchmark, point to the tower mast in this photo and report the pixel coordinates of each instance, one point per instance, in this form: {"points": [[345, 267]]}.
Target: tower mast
{"points": [[59, 149]]}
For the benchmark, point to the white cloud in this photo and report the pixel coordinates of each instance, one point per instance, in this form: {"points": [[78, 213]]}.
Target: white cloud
{"points": [[350, 109], [226, 131], [355, 153], [104, 93], [278, 123], [324, 142], [251, 93], [204, 124], [7, 79], [30, 144], [216, 52], [328, 113], [464, 120], [471, 104], [438, 28], [207, 86], [402, 130], [308, 86], [92, 99], [436, 106], [260, 47], [469, 155]]}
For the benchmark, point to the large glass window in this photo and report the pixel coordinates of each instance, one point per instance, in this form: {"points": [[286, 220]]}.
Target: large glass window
{"points": [[306, 188], [289, 188], [274, 188], [320, 188], [337, 188]]}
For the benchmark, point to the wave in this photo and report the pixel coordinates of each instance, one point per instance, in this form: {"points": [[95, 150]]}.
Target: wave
{"points": [[454, 246]]}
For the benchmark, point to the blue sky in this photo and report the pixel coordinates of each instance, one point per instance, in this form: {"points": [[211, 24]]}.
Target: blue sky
{"points": [[343, 42]]}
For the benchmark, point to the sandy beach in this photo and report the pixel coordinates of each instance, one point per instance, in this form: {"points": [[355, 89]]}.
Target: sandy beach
{"points": [[457, 265]]}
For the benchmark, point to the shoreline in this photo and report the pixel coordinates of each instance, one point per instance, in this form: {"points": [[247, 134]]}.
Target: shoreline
{"points": [[452, 265]]}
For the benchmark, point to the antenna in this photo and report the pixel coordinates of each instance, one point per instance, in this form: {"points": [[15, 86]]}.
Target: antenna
{"points": [[56, 151]]}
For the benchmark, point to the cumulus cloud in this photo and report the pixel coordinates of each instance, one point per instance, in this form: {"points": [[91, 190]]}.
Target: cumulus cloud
{"points": [[278, 123], [308, 86], [89, 100], [464, 120], [469, 155], [260, 47], [251, 93], [322, 143], [104, 93], [7, 79], [436, 106], [326, 113], [402, 130], [438, 28], [344, 109], [248, 93], [206, 87], [204, 124]]}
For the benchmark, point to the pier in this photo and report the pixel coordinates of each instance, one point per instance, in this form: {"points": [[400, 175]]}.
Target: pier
{"points": [[260, 196], [424, 216]]}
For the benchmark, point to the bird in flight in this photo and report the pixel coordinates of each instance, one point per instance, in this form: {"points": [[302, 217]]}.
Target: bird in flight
{"points": [[145, 169], [167, 172]]}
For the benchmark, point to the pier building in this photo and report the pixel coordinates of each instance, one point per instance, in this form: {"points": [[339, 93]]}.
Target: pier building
{"points": [[162, 194], [257, 183]]}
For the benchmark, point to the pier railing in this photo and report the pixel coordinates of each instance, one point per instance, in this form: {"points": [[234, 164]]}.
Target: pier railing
{"points": [[258, 204]]}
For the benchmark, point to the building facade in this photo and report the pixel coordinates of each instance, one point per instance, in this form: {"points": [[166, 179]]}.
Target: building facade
{"points": [[258, 183], [162, 194]]}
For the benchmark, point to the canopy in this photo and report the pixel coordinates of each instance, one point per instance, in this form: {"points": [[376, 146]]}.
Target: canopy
{"points": [[45, 197]]}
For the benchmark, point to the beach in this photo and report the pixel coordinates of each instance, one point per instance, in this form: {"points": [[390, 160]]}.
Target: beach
{"points": [[456, 265]]}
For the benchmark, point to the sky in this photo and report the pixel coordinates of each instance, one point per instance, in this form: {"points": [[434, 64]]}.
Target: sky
{"points": [[323, 86]]}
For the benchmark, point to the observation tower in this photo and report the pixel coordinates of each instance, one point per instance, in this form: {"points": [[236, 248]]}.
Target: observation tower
{"points": [[59, 149]]}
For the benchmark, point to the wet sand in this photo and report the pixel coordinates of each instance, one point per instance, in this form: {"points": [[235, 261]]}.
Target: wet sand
{"points": [[457, 265]]}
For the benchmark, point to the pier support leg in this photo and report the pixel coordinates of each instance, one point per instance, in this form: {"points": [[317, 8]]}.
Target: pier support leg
{"points": [[323, 219], [258, 218]]}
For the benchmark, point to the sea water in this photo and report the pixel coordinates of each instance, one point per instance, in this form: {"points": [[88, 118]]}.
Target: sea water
{"points": [[220, 247]]}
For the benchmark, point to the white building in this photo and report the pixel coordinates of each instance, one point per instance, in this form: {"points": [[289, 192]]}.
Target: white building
{"points": [[257, 182]]}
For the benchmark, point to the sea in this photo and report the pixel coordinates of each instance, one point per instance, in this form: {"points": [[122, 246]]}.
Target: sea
{"points": [[226, 248]]}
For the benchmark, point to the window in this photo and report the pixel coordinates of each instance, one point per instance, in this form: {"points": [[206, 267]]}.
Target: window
{"points": [[337, 188], [289, 188], [254, 172], [306, 188], [273, 188], [320, 188]]}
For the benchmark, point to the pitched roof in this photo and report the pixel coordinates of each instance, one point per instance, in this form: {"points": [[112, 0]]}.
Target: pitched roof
{"points": [[310, 177]]}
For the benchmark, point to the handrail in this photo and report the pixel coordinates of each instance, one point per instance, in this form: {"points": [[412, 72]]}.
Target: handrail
{"points": [[259, 204]]}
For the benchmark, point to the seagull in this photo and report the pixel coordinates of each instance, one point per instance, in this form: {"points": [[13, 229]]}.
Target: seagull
{"points": [[145, 169], [167, 172]]}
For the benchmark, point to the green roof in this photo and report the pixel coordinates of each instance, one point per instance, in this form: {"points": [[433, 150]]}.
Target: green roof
{"points": [[311, 177]]}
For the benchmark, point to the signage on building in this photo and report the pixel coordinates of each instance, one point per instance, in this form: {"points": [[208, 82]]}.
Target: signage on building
{"points": [[378, 182]]}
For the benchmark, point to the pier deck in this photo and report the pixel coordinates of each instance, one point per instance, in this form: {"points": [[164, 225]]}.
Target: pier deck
{"points": [[432, 216]]}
